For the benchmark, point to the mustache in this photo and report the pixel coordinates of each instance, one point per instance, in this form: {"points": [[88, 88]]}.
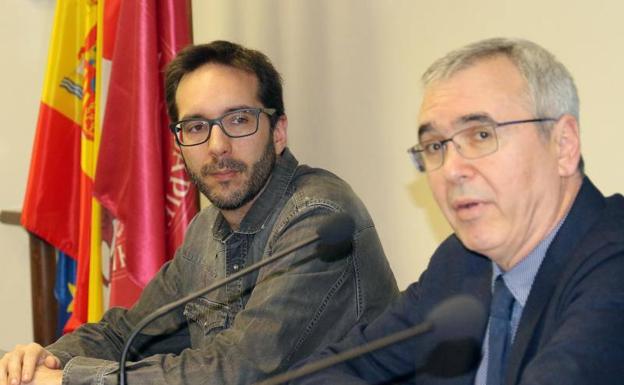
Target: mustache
{"points": [[224, 164], [463, 191]]}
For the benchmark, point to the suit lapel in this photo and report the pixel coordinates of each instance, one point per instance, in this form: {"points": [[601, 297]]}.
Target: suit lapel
{"points": [[473, 272], [583, 214]]}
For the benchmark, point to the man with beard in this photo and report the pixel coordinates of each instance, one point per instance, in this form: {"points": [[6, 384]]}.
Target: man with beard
{"points": [[229, 121]]}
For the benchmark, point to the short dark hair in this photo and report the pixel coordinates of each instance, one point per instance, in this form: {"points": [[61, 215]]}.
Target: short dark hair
{"points": [[229, 54]]}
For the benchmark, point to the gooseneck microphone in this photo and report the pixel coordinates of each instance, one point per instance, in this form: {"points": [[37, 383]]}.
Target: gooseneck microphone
{"points": [[333, 236], [460, 317]]}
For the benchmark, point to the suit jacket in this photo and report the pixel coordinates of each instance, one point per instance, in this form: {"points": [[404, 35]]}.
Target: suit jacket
{"points": [[571, 330]]}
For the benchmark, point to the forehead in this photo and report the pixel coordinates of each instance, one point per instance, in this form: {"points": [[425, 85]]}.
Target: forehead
{"points": [[491, 87], [214, 88]]}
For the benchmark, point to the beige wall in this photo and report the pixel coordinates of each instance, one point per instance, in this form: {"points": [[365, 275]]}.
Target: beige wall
{"points": [[25, 26], [351, 70]]}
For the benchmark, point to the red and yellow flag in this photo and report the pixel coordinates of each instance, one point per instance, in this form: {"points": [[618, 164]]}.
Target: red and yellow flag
{"points": [[58, 205], [108, 55]]}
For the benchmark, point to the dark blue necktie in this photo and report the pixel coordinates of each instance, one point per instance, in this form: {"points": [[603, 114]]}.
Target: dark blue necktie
{"points": [[500, 332]]}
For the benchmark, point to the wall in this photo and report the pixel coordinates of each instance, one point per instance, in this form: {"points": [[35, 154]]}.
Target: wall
{"points": [[351, 70], [25, 26]]}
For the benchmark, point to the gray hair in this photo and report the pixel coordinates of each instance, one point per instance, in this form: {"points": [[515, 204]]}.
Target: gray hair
{"points": [[551, 89]]}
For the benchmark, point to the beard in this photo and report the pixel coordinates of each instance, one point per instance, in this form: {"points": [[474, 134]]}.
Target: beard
{"points": [[260, 173]]}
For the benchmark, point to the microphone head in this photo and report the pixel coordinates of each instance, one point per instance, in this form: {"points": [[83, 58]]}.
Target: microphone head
{"points": [[458, 326], [461, 316], [335, 237]]}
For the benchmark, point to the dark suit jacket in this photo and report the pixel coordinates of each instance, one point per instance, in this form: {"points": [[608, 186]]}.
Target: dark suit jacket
{"points": [[571, 330]]}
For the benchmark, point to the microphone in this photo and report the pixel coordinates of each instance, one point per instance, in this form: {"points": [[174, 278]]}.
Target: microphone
{"points": [[458, 319], [334, 237]]}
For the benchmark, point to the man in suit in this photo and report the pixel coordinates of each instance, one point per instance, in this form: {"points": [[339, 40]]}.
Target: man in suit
{"points": [[534, 240]]}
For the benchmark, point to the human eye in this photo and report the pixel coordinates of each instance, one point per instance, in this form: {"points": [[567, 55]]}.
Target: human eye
{"points": [[477, 134], [431, 147], [193, 126], [238, 118]]}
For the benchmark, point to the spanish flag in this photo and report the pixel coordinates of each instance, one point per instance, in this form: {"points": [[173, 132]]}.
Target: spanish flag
{"points": [[59, 205]]}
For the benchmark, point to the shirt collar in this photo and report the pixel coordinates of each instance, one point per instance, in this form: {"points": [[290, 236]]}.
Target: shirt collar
{"points": [[520, 278], [259, 213]]}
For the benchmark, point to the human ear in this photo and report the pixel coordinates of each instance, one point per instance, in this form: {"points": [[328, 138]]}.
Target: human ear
{"points": [[567, 143], [280, 134]]}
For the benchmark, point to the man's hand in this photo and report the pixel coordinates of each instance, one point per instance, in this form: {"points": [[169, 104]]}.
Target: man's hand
{"points": [[19, 365], [46, 376]]}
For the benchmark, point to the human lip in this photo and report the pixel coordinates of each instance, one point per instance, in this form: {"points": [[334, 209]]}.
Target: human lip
{"points": [[468, 208], [223, 175]]}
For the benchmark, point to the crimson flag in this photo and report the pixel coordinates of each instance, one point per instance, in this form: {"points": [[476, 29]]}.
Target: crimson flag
{"points": [[140, 177]]}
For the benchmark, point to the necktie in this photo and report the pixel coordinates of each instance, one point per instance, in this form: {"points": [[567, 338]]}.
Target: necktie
{"points": [[500, 332]]}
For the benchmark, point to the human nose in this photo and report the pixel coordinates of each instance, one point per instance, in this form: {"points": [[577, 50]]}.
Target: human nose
{"points": [[455, 166], [218, 141]]}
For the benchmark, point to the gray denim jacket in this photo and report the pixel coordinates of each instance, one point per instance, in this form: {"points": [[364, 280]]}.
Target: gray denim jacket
{"points": [[258, 325]]}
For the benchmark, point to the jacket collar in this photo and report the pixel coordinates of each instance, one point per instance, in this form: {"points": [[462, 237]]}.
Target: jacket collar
{"points": [[277, 185]]}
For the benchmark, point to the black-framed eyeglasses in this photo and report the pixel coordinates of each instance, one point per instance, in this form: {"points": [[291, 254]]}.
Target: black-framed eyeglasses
{"points": [[473, 142], [235, 124]]}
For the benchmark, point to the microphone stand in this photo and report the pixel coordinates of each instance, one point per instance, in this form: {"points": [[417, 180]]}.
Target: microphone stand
{"points": [[349, 354], [224, 281], [443, 320]]}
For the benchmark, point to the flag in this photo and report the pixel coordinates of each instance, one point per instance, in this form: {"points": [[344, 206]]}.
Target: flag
{"points": [[140, 178], [58, 203], [64, 289]]}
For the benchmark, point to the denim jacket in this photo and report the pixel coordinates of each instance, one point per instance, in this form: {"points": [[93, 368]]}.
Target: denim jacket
{"points": [[260, 324]]}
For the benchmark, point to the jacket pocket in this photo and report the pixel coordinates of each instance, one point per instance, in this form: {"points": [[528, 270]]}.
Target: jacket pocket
{"points": [[205, 319]]}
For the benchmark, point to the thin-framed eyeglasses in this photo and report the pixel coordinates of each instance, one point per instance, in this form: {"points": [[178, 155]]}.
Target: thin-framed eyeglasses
{"points": [[472, 142], [235, 124]]}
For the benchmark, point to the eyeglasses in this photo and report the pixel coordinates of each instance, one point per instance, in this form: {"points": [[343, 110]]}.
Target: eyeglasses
{"points": [[234, 124], [471, 143]]}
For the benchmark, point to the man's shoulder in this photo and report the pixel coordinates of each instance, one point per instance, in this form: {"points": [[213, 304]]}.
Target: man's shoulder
{"points": [[614, 214], [607, 234], [600, 247], [319, 187], [318, 182], [609, 226], [456, 269], [593, 222]]}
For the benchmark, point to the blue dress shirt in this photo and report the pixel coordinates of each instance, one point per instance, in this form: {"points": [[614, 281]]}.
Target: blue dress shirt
{"points": [[519, 281]]}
